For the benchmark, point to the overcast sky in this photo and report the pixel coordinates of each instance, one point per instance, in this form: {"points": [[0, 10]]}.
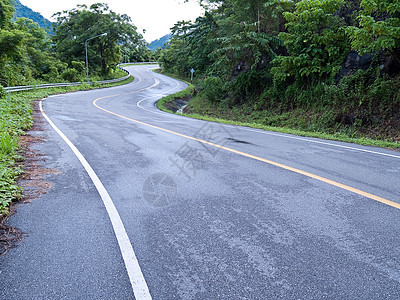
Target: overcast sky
{"points": [[156, 16]]}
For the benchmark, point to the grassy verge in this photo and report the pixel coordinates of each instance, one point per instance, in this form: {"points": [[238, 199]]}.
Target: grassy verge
{"points": [[167, 102], [199, 108], [15, 118]]}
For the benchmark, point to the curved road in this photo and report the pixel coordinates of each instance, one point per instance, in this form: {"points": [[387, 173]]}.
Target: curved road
{"points": [[155, 205]]}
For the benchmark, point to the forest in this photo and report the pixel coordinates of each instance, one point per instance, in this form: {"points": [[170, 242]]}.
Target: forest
{"points": [[29, 55], [22, 11], [316, 65]]}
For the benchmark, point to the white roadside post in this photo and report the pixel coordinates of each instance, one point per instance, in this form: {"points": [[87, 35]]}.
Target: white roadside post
{"points": [[191, 74]]}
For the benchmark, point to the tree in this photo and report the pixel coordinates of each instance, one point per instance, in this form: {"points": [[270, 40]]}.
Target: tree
{"points": [[12, 68], [6, 13], [379, 27], [37, 51], [379, 30], [315, 41], [175, 58], [81, 23], [234, 42]]}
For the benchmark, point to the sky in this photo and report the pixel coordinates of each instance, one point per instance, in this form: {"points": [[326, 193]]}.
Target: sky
{"points": [[155, 16]]}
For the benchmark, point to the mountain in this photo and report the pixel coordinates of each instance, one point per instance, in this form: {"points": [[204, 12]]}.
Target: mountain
{"points": [[22, 11], [160, 43]]}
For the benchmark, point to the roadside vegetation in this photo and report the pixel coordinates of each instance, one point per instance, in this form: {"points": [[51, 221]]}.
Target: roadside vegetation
{"points": [[196, 103], [15, 119], [30, 56], [328, 67]]}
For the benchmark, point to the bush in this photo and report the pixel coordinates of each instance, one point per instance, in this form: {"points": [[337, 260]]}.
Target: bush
{"points": [[315, 40], [213, 89], [70, 75], [79, 66], [378, 28], [2, 92]]}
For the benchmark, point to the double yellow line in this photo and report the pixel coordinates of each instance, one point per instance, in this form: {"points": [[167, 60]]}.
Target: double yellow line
{"points": [[270, 162]]}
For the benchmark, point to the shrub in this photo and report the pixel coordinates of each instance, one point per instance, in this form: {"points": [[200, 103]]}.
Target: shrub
{"points": [[213, 89], [315, 40], [2, 92], [70, 75], [379, 27]]}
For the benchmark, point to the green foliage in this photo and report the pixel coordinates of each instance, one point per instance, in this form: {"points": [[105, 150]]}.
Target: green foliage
{"points": [[6, 13], [213, 89], [75, 73], [8, 190], [230, 40], [2, 92], [247, 48], [316, 42], [83, 23], [15, 116], [22, 11], [26, 54], [8, 144], [175, 58], [13, 68], [38, 53], [71, 75], [379, 27], [247, 86]]}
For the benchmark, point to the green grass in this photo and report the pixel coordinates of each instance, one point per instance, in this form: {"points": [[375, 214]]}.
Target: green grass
{"points": [[208, 112], [15, 119]]}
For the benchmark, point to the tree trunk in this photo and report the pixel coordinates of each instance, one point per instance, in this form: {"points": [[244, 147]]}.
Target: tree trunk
{"points": [[103, 61]]}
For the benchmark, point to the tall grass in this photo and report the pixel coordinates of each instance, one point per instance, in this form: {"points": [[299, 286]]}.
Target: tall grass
{"points": [[15, 117]]}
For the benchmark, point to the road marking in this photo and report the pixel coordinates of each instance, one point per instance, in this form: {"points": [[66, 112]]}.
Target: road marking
{"points": [[158, 95], [310, 175], [156, 82], [138, 283], [322, 143], [299, 138]]}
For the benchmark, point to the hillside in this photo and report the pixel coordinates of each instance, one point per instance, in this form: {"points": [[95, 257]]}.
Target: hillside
{"points": [[22, 11], [320, 66], [160, 43]]}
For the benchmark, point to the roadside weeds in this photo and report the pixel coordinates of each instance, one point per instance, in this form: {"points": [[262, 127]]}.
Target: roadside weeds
{"points": [[28, 162], [171, 102]]}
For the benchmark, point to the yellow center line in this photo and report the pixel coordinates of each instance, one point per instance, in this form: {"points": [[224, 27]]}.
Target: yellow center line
{"points": [[270, 162]]}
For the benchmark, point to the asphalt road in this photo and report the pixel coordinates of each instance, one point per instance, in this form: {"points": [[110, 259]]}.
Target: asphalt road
{"points": [[211, 211]]}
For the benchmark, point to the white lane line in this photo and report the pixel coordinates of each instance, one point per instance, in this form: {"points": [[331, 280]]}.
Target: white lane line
{"points": [[320, 142], [292, 137], [140, 79], [281, 135], [138, 283], [157, 96]]}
